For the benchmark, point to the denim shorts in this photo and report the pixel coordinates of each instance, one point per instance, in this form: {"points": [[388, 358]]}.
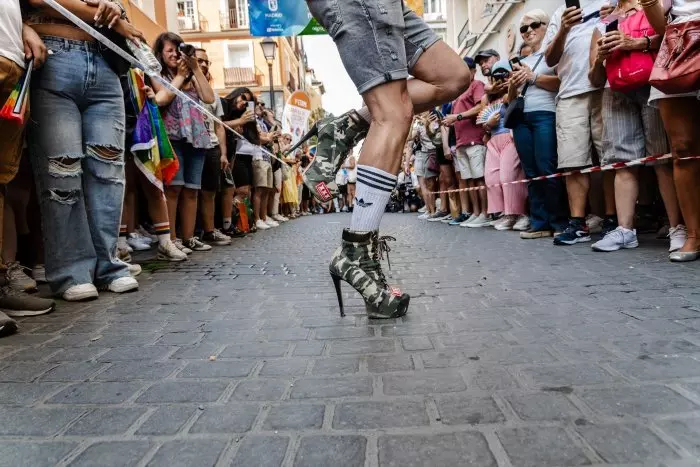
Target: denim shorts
{"points": [[378, 40], [191, 165]]}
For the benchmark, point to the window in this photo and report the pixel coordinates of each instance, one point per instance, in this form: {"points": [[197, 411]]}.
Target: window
{"points": [[238, 56], [185, 8]]}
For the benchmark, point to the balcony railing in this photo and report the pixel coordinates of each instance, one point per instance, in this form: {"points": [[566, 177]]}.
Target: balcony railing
{"points": [[242, 76], [235, 18], [291, 83], [463, 33], [189, 23]]}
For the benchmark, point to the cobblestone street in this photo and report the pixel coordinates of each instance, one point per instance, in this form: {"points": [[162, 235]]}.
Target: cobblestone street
{"points": [[514, 353]]}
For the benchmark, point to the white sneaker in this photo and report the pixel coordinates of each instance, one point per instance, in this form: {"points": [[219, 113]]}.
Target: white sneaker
{"points": [[262, 225], [447, 219], [471, 219], [616, 239], [145, 233], [39, 273], [195, 245], [178, 244], [506, 223], [18, 278], [594, 223], [424, 216], [421, 210], [81, 292], [123, 284], [134, 270], [522, 224], [271, 222], [170, 252], [138, 242], [280, 218], [480, 221], [678, 236]]}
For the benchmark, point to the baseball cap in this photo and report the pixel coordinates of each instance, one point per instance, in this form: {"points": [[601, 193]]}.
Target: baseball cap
{"points": [[485, 54], [470, 62], [501, 67]]}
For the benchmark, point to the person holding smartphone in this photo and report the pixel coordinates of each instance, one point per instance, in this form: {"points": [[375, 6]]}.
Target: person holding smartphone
{"points": [[578, 110]]}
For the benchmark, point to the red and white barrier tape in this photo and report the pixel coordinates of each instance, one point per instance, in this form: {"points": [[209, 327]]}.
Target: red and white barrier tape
{"points": [[600, 168]]}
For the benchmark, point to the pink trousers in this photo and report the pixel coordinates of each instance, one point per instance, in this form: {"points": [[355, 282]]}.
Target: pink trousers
{"points": [[503, 165]]}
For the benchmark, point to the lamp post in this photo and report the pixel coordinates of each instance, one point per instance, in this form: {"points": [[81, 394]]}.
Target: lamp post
{"points": [[269, 47]]}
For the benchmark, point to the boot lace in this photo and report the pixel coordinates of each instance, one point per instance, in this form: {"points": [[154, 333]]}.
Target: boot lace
{"points": [[382, 248]]}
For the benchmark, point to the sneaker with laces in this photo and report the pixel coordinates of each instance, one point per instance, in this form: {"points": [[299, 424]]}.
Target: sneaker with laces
{"points": [[145, 233], [280, 218], [576, 232], [18, 278], [424, 216], [122, 285], [39, 273], [616, 239], [447, 219], [180, 246], [234, 232], [471, 218], [423, 210], [195, 245], [80, 292], [522, 224], [678, 236], [438, 216], [8, 326], [215, 237], [18, 303], [138, 242], [271, 222], [533, 234], [609, 224], [506, 223], [459, 219], [262, 225], [480, 221], [134, 270], [170, 252]]}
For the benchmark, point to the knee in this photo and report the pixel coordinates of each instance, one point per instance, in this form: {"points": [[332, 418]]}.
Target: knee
{"points": [[190, 194], [64, 184], [393, 113], [459, 81], [682, 146]]}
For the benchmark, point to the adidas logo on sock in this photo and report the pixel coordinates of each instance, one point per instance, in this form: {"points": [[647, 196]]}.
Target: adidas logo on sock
{"points": [[361, 202]]}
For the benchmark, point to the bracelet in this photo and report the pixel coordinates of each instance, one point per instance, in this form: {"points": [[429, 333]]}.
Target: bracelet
{"points": [[648, 43], [648, 3]]}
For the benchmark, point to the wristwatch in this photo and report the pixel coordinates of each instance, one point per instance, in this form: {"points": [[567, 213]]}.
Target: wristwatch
{"points": [[460, 117]]}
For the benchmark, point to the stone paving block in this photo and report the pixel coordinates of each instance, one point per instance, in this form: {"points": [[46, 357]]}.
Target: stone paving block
{"points": [[636, 400], [651, 346], [462, 409], [570, 374], [514, 354], [166, 420], [23, 372], [416, 343], [384, 364], [482, 324], [268, 349], [449, 358], [96, 393], [261, 451], [541, 447], [107, 421], [311, 388], [338, 451], [260, 390], [150, 353], [112, 454], [74, 354], [343, 332], [217, 369], [619, 444], [197, 352], [362, 346], [285, 367], [31, 453], [231, 418], [384, 414], [490, 377], [294, 417], [309, 349], [410, 330], [424, 383], [135, 370], [70, 372], [468, 448], [685, 431], [336, 366], [583, 351], [547, 406], [202, 453], [25, 421], [658, 368], [183, 391]]}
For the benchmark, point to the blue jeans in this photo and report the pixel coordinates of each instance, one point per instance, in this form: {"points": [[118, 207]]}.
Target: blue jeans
{"points": [[77, 153], [536, 142], [191, 159]]}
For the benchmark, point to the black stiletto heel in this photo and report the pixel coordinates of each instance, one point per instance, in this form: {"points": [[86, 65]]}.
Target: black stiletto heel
{"points": [[336, 283], [310, 134]]}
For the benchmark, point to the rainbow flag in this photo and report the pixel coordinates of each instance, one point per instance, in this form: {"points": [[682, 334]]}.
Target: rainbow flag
{"points": [[153, 153], [15, 107]]}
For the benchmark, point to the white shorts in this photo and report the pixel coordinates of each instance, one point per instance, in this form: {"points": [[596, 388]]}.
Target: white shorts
{"points": [[470, 161]]}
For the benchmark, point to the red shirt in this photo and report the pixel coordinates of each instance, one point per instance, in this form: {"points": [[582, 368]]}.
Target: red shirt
{"points": [[467, 131]]}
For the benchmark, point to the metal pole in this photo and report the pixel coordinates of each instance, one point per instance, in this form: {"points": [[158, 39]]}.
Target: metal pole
{"points": [[272, 89]]}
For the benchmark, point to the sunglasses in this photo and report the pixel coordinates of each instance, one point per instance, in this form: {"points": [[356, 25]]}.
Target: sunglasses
{"points": [[534, 25]]}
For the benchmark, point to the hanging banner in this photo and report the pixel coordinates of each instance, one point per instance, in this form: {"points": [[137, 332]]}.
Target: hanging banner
{"points": [[282, 18], [295, 118], [416, 5]]}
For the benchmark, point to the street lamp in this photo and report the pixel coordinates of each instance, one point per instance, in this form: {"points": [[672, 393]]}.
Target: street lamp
{"points": [[269, 47]]}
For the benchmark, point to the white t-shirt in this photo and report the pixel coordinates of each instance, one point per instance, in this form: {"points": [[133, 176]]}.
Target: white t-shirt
{"points": [[537, 98], [573, 65], [217, 109], [682, 7], [11, 45]]}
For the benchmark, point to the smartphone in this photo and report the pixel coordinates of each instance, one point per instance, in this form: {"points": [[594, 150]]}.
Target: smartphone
{"points": [[515, 61], [251, 106], [570, 3], [187, 49], [612, 26]]}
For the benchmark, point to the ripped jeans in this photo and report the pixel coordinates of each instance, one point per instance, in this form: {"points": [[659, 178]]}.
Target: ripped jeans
{"points": [[77, 153]]}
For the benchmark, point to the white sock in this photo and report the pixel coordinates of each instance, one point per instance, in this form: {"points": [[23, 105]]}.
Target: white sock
{"points": [[227, 223], [163, 239], [374, 189], [364, 113]]}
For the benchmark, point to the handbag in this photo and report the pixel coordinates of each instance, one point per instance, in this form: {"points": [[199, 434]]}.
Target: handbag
{"points": [[630, 69], [432, 164], [677, 66], [515, 110]]}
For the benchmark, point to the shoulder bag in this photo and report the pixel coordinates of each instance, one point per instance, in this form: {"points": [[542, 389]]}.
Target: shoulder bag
{"points": [[515, 110], [677, 66]]}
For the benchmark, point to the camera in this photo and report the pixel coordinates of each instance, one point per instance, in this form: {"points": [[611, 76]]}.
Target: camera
{"points": [[187, 49]]}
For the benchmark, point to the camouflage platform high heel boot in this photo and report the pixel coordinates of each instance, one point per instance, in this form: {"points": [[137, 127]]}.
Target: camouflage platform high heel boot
{"points": [[337, 136], [349, 263]]}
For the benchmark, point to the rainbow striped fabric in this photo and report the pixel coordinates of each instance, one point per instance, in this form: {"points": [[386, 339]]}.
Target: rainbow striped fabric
{"points": [[15, 107]]}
